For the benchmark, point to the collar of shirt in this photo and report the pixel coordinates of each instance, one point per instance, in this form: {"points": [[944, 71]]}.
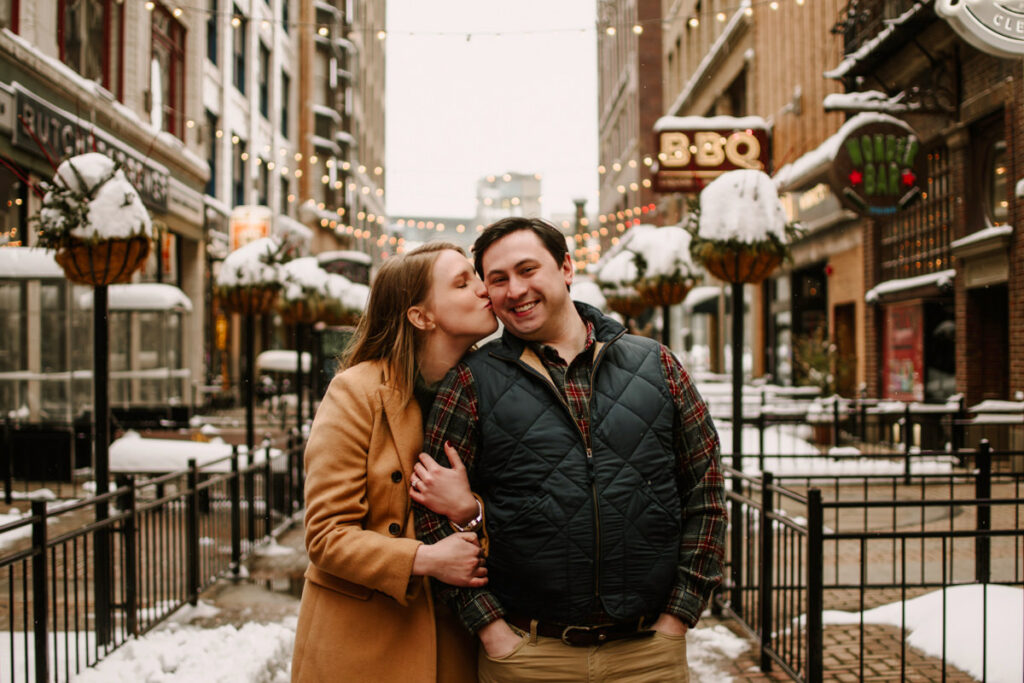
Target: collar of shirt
{"points": [[550, 356]]}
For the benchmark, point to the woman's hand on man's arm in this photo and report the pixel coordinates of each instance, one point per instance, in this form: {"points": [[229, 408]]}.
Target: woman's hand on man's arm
{"points": [[444, 490], [456, 560]]}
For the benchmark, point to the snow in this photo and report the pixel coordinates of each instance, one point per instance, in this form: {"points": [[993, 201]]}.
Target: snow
{"points": [[303, 277], [1003, 625], [115, 210], [586, 290], [710, 123], [346, 254], [851, 60], [988, 233], [280, 361], [352, 295], [792, 174], [141, 296], [257, 653], [246, 267], [991, 405], [868, 100], [1020, 188], [698, 295], [620, 269], [134, 453], [940, 279], [665, 250], [741, 205], [28, 263]]}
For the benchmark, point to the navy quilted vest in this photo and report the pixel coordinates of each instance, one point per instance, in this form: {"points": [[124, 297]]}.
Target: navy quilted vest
{"points": [[572, 531]]}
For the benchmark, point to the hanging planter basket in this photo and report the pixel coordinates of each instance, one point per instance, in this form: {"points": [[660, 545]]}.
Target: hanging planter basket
{"points": [[664, 291], [626, 302], [105, 262], [743, 265], [249, 300], [301, 312]]}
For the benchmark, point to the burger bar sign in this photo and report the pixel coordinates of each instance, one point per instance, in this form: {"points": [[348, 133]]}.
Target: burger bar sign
{"points": [[992, 26], [694, 150]]}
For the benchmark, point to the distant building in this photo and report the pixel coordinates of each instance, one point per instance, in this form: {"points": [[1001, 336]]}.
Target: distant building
{"points": [[510, 194]]}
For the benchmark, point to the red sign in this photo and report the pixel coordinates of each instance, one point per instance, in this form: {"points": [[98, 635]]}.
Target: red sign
{"points": [[903, 374], [690, 158]]}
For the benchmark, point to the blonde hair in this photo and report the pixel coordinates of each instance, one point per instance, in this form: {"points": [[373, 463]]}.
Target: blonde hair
{"points": [[384, 331]]}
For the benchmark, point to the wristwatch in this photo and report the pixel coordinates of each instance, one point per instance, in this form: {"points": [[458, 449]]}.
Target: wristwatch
{"points": [[473, 524]]}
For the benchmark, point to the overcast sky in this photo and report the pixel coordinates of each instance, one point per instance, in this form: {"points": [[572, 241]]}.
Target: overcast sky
{"points": [[457, 109]]}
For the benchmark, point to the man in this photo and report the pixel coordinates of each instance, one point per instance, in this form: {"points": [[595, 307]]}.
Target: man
{"points": [[599, 470]]}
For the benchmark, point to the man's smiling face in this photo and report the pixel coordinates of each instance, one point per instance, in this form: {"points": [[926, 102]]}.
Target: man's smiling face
{"points": [[528, 289]]}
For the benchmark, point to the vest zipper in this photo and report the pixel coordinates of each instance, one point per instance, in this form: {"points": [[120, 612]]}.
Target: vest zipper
{"points": [[590, 452]]}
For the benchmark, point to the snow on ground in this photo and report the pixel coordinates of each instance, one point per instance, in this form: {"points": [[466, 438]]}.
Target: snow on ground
{"points": [[707, 648], [1004, 627]]}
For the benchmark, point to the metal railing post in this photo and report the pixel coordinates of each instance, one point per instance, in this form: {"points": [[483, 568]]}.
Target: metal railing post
{"points": [[835, 420], [127, 504], [736, 549], [235, 491], [268, 490], [192, 539], [907, 437], [250, 498], [7, 452], [983, 491], [766, 587], [815, 586], [40, 601]]}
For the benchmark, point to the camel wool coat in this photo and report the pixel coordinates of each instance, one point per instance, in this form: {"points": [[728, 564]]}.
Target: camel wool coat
{"points": [[363, 617]]}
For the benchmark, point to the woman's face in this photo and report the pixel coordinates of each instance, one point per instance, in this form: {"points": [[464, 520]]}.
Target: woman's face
{"points": [[457, 302]]}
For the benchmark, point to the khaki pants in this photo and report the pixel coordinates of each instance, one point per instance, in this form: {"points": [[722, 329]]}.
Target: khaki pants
{"points": [[657, 659]]}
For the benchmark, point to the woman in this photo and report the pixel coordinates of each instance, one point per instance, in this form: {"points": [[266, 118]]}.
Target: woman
{"points": [[366, 612]]}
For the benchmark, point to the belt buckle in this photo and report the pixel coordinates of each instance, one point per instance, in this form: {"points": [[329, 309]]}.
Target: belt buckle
{"points": [[567, 629]]}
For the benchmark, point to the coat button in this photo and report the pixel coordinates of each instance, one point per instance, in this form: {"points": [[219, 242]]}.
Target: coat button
{"points": [[396, 476], [394, 528]]}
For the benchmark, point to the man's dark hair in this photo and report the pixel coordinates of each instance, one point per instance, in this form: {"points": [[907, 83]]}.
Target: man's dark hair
{"points": [[550, 236]]}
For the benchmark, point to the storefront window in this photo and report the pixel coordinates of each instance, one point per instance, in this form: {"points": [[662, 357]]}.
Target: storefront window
{"points": [[939, 351], [167, 82], [998, 186]]}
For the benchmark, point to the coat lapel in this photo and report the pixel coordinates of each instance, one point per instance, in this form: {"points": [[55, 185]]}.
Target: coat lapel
{"points": [[405, 426]]}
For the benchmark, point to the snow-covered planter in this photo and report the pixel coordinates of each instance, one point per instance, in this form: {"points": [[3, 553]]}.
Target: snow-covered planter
{"points": [[304, 292], [95, 221], [345, 301], [666, 270], [616, 277], [739, 230], [249, 279]]}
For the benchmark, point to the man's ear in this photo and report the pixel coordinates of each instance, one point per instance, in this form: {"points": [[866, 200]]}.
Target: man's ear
{"points": [[420, 318], [568, 270]]}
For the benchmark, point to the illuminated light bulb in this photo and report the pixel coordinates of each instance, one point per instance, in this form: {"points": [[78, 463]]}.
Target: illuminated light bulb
{"points": [[322, 31], [362, 169], [329, 163], [219, 134], [720, 16], [632, 163], [150, 5], [284, 170], [601, 169], [536, 176], [298, 156], [176, 12], [616, 166], [320, 206], [378, 170], [291, 198], [460, 228], [265, 24], [298, 173], [323, 222], [380, 192], [602, 218], [615, 240], [381, 35], [506, 177], [366, 190], [773, 5], [646, 182], [610, 30], [313, 159], [749, 11], [282, 151], [638, 29], [270, 165], [236, 21], [337, 184], [234, 139], [694, 22], [245, 156], [800, 3]]}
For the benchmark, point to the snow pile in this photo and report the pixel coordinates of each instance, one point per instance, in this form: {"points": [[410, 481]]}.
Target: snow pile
{"points": [[619, 270], [252, 265], [647, 252], [188, 654], [29, 262], [1003, 625], [868, 100], [741, 206], [1020, 188], [586, 290], [351, 296], [91, 199], [303, 279], [709, 648], [941, 279]]}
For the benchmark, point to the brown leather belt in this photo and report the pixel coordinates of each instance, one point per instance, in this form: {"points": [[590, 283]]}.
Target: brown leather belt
{"points": [[584, 636]]}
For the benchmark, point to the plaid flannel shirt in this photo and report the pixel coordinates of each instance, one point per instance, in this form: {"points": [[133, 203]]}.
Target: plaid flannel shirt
{"points": [[455, 418]]}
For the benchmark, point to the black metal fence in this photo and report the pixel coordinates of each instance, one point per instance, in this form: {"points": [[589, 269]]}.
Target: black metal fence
{"points": [[801, 545], [166, 540]]}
